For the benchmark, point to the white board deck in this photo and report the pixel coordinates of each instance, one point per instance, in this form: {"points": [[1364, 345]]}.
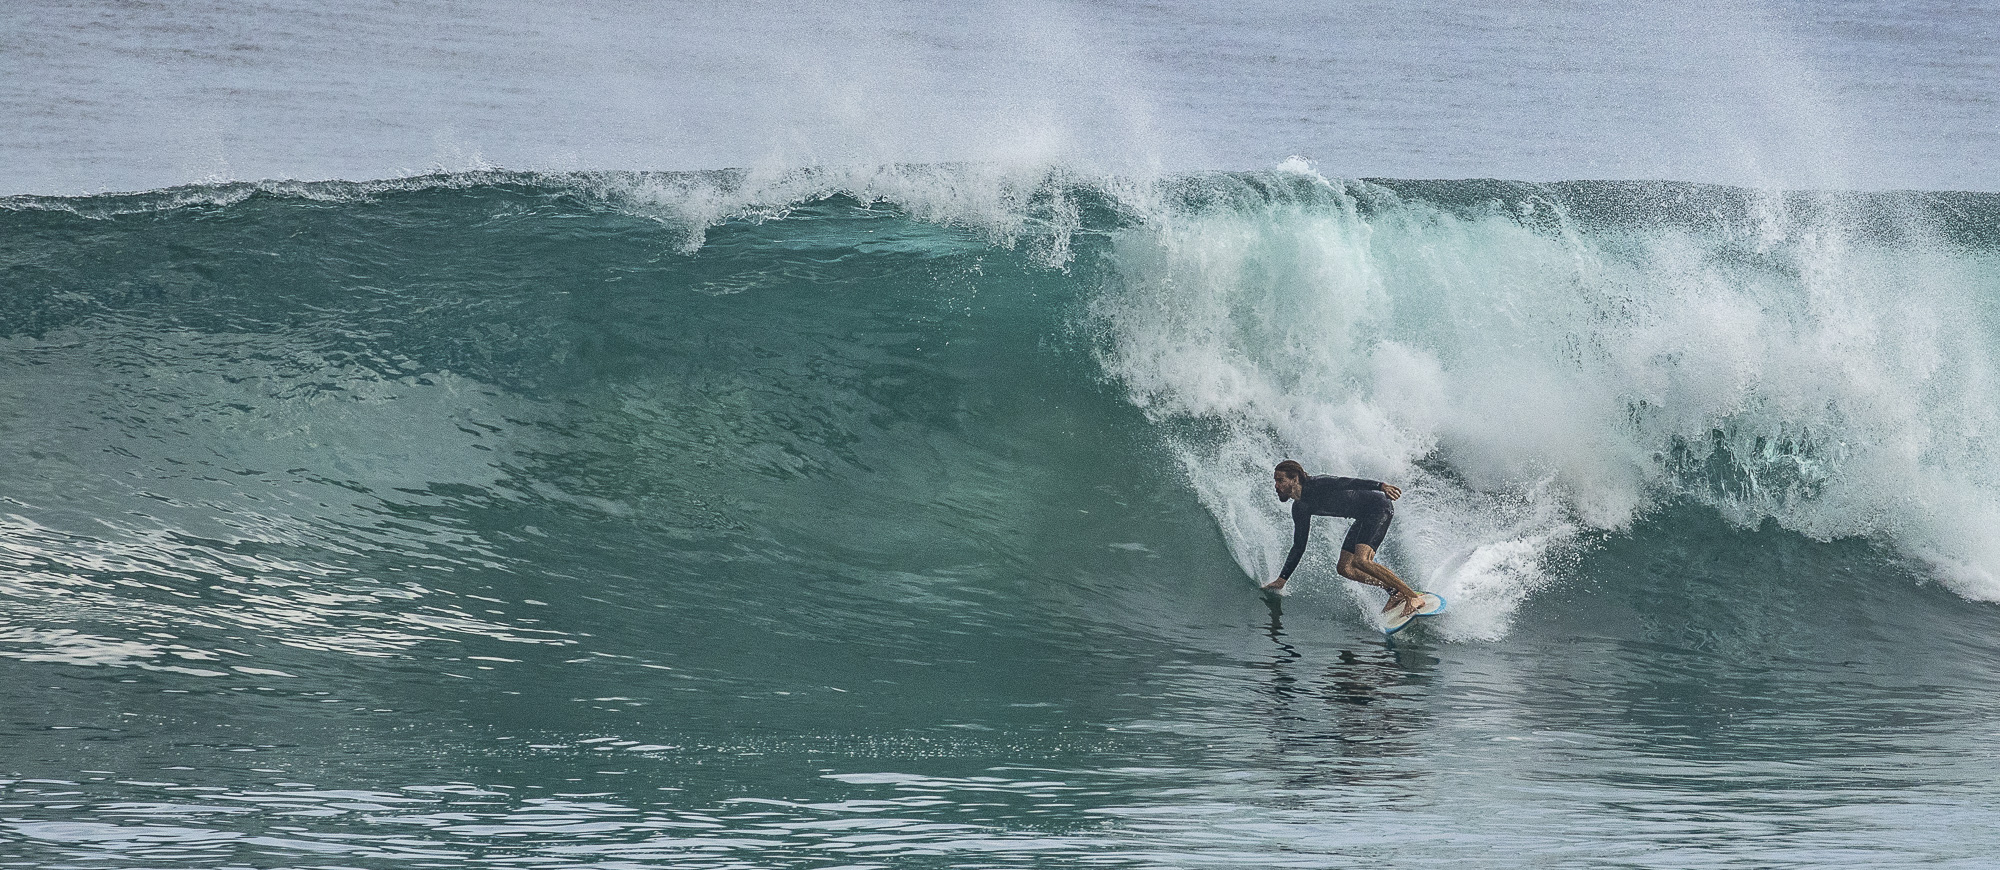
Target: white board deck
{"points": [[1433, 605]]}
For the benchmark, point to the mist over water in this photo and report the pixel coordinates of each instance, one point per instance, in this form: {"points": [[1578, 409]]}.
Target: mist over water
{"points": [[840, 438], [1852, 94]]}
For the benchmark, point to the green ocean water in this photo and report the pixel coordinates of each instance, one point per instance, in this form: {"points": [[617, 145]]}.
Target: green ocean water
{"points": [[913, 518]]}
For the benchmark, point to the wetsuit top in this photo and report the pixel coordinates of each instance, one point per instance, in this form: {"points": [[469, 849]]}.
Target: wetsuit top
{"points": [[1328, 496]]}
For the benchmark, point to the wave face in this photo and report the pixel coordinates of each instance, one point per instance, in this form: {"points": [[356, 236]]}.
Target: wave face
{"points": [[918, 507]]}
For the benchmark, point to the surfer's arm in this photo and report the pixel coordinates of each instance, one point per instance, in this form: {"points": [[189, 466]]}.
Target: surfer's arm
{"points": [[1332, 482], [1394, 492], [1301, 527]]}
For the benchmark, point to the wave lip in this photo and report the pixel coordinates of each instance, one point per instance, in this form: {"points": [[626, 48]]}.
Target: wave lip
{"points": [[1539, 364]]}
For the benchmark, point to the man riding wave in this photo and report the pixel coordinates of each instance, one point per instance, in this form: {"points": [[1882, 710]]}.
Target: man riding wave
{"points": [[1370, 503]]}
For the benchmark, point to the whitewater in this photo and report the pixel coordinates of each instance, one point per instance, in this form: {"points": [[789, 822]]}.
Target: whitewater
{"points": [[440, 446]]}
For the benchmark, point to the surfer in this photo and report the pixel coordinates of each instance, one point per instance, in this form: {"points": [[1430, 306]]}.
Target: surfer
{"points": [[1369, 503]]}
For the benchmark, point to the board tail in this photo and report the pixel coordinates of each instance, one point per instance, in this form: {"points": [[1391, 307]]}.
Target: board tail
{"points": [[1434, 604]]}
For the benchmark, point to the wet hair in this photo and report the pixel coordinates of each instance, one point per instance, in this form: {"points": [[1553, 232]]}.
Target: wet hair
{"points": [[1292, 469]]}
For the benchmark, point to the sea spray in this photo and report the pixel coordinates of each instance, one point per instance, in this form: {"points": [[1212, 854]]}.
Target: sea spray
{"points": [[1532, 378]]}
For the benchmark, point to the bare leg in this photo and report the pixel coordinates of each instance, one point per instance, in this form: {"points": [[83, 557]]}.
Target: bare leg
{"points": [[1350, 568], [1365, 561], [1360, 566]]}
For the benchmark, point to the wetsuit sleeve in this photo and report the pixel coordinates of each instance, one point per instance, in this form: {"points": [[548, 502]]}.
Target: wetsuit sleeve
{"points": [[1301, 527], [1349, 482]]}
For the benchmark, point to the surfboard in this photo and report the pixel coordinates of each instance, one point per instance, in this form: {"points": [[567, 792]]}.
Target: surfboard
{"points": [[1433, 605]]}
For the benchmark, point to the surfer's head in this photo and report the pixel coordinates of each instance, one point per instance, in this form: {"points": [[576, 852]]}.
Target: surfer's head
{"points": [[1289, 479]]}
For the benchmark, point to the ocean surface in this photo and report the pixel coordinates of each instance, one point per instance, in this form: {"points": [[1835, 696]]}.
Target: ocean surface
{"points": [[880, 478], [914, 519]]}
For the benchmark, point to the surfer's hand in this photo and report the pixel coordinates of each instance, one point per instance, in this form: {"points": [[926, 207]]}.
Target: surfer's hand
{"points": [[1392, 491]]}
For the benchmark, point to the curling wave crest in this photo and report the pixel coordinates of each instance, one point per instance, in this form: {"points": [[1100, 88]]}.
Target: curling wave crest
{"points": [[1539, 365]]}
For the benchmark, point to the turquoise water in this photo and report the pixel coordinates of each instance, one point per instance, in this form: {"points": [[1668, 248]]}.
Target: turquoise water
{"points": [[914, 518]]}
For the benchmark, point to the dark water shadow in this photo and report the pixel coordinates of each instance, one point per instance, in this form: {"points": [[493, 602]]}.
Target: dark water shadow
{"points": [[1693, 640]]}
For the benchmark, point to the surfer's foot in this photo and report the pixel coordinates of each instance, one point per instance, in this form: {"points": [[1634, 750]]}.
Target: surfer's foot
{"points": [[1400, 606], [1274, 585]]}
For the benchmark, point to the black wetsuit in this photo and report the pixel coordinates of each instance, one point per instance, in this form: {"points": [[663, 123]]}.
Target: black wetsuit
{"points": [[1329, 496]]}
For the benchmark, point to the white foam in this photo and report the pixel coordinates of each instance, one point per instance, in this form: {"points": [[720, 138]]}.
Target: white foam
{"points": [[1005, 204], [1528, 379]]}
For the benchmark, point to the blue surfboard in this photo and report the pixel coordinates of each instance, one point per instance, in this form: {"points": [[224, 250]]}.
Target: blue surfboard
{"points": [[1433, 605]]}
